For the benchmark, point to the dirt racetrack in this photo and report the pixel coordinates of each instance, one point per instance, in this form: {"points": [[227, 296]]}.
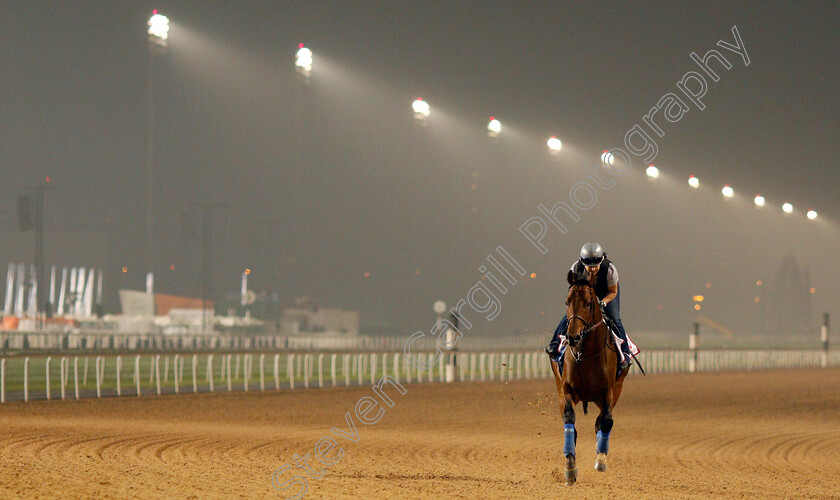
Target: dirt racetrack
{"points": [[732, 435]]}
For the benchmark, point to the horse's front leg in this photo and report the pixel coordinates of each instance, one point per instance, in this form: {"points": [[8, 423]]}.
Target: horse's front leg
{"points": [[569, 438], [603, 427]]}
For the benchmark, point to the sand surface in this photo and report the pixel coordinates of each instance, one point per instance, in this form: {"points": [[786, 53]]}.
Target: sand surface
{"points": [[732, 435]]}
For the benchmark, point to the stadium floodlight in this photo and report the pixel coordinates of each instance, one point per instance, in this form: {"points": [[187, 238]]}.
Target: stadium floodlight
{"points": [[812, 214], [421, 109], [554, 145], [652, 172], [787, 208], [158, 28], [494, 127], [693, 181], [607, 158], [759, 200], [727, 191], [303, 60]]}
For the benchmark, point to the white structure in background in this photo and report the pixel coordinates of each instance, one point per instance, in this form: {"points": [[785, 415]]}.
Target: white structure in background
{"points": [[812, 214], [32, 305], [61, 296], [759, 200], [787, 208], [308, 317], [727, 191], [21, 288], [10, 290], [76, 300], [652, 172], [554, 145]]}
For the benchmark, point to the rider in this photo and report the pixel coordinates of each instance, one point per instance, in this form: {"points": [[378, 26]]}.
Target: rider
{"points": [[593, 260]]}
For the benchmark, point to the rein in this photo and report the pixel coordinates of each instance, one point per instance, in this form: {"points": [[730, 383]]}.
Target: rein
{"points": [[587, 329]]}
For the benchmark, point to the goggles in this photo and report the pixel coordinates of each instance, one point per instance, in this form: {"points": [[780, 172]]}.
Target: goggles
{"points": [[592, 261]]}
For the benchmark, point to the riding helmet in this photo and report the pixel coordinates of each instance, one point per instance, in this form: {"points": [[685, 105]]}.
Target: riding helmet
{"points": [[591, 254]]}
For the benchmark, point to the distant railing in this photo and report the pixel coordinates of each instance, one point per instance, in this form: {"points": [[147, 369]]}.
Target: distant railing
{"points": [[20, 341], [136, 375]]}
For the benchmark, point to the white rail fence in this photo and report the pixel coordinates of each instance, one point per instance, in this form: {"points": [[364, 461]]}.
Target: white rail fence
{"points": [[28, 341], [237, 371]]}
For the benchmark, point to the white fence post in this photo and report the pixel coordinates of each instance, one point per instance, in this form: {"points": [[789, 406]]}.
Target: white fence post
{"points": [[481, 359], [157, 372], [227, 367], [407, 364], [165, 369], [503, 365], [210, 370], [62, 367], [431, 360], [119, 374], [321, 369], [332, 368], [98, 378], [175, 370], [76, 375], [244, 370], [290, 369], [262, 371], [277, 372], [372, 368], [137, 373], [195, 373], [96, 372], [3, 380], [420, 359], [47, 369], [26, 378], [397, 367], [84, 382], [345, 365], [248, 369], [359, 359]]}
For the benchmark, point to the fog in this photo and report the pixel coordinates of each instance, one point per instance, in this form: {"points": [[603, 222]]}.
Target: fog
{"points": [[328, 180]]}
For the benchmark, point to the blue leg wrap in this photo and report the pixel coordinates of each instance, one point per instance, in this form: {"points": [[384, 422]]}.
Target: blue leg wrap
{"points": [[602, 444], [569, 442]]}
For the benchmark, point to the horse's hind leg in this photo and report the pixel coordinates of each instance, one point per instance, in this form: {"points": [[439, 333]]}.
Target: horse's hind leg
{"points": [[569, 440]]}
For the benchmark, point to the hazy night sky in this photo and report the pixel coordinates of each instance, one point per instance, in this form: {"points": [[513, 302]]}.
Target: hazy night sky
{"points": [[327, 181]]}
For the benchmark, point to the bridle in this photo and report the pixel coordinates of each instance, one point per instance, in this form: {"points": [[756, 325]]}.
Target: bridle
{"points": [[588, 328]]}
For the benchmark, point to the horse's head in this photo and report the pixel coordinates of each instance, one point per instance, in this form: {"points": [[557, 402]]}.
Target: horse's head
{"points": [[582, 308]]}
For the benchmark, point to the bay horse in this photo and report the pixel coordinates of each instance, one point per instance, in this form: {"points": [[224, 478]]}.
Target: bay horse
{"points": [[589, 372]]}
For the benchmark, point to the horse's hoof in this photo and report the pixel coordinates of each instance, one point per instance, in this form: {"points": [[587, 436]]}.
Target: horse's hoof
{"points": [[601, 462], [571, 476]]}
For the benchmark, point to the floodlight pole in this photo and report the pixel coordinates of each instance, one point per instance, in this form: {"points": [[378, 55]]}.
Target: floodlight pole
{"points": [[157, 45], [207, 261], [38, 206]]}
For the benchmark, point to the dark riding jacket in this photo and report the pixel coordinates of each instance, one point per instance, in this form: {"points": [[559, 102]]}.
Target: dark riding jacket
{"points": [[601, 289]]}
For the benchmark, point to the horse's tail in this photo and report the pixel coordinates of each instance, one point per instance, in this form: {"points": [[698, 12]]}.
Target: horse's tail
{"points": [[585, 407]]}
